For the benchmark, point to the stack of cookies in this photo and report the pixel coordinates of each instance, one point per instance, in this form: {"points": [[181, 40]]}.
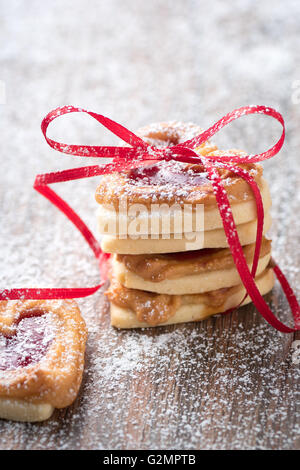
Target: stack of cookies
{"points": [[170, 259]]}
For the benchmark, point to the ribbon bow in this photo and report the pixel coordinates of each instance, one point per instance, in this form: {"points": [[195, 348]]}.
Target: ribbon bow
{"points": [[141, 153]]}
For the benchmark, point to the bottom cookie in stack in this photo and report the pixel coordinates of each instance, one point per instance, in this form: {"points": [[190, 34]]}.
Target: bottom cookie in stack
{"points": [[152, 290]]}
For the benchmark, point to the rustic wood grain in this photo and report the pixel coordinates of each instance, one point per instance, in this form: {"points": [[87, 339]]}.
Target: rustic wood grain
{"points": [[225, 383]]}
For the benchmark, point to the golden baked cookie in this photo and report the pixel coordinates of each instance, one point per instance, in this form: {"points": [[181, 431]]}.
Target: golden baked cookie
{"points": [[142, 204], [42, 344]]}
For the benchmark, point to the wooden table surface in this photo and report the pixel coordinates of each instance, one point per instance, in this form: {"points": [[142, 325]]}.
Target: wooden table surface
{"points": [[225, 383]]}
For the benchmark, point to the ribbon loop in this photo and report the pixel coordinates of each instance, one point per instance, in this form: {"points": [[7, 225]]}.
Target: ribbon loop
{"points": [[232, 116]]}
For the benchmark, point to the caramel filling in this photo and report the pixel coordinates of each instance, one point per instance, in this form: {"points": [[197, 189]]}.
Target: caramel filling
{"points": [[157, 268], [149, 307], [154, 308]]}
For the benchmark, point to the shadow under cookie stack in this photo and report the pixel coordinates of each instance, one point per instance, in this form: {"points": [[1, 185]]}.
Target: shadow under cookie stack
{"points": [[160, 275]]}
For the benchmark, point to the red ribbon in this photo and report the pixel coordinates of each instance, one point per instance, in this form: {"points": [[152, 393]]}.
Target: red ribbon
{"points": [[141, 153]]}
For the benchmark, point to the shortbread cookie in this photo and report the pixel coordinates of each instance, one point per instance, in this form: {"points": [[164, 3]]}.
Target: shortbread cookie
{"points": [[42, 345], [138, 309], [174, 184], [207, 239], [138, 218], [192, 272]]}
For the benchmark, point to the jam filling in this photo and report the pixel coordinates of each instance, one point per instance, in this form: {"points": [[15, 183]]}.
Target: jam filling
{"points": [[174, 174], [30, 342]]}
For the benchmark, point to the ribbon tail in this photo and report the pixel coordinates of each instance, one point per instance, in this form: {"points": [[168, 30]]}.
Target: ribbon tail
{"points": [[53, 197], [48, 293], [238, 255], [41, 186], [260, 212], [289, 293]]}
